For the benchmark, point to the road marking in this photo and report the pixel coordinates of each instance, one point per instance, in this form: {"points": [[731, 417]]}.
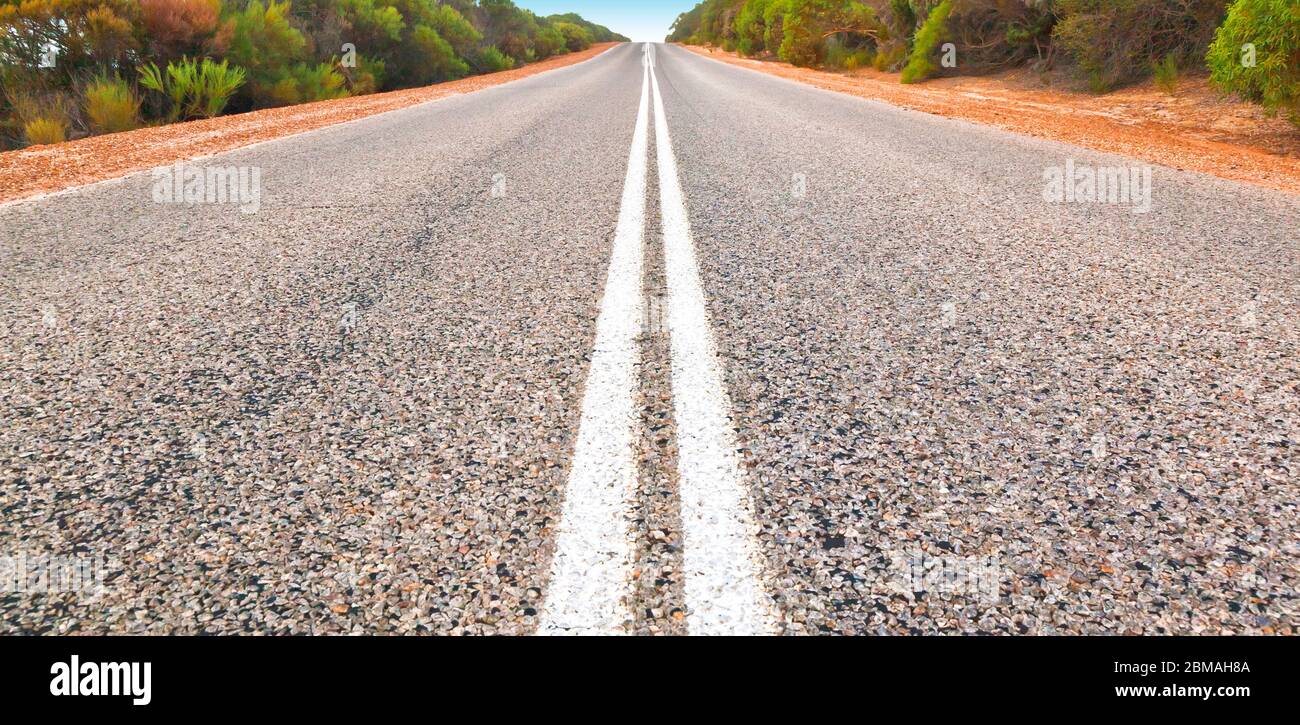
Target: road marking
{"points": [[720, 554], [591, 576]]}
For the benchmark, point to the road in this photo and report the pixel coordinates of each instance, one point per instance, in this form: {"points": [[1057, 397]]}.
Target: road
{"points": [[653, 344]]}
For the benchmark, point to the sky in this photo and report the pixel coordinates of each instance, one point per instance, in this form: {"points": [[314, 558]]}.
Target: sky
{"points": [[637, 19]]}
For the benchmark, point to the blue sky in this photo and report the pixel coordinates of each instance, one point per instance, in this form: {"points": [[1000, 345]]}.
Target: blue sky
{"points": [[637, 19]]}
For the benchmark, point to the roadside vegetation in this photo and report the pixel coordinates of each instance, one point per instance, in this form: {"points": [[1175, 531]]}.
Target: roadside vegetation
{"points": [[72, 68], [1250, 47]]}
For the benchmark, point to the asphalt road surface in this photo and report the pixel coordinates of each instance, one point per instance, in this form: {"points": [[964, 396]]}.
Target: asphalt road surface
{"points": [[654, 344]]}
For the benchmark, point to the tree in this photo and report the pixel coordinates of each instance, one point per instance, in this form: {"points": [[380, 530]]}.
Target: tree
{"points": [[1256, 53]]}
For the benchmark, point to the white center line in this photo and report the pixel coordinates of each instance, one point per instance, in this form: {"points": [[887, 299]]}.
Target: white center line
{"points": [[591, 575], [720, 553]]}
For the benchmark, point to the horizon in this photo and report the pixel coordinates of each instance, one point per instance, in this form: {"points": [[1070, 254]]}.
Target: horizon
{"points": [[640, 20]]}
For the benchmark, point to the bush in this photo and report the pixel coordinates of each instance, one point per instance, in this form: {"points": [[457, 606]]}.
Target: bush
{"points": [[367, 77], [266, 46], [575, 37], [39, 108], [177, 28], [426, 57], [549, 42], [87, 34], [194, 89], [40, 131], [774, 24], [1166, 74], [751, 28], [217, 83], [372, 25], [800, 37], [458, 32], [313, 82], [106, 36], [838, 56], [1108, 41], [1273, 28], [491, 60], [827, 32], [270, 52], [1117, 41], [300, 83], [111, 105], [921, 63], [889, 57]]}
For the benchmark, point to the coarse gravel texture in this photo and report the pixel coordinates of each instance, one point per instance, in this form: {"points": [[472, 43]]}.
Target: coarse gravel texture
{"points": [[50, 168], [349, 412], [926, 358], [354, 410], [1195, 129]]}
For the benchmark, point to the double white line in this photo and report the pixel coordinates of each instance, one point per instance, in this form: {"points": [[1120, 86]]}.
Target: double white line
{"points": [[591, 584]]}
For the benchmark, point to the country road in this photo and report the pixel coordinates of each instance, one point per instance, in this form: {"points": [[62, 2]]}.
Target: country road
{"points": [[652, 344]]}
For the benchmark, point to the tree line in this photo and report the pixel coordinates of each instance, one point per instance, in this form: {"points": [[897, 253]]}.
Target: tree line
{"points": [[1251, 47], [71, 68]]}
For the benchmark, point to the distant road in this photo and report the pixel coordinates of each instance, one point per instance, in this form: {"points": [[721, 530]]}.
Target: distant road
{"points": [[654, 344]]}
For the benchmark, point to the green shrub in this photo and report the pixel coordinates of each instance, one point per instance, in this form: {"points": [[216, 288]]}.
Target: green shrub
{"points": [[195, 89], [750, 27], [815, 32], [1273, 28], [367, 77], [373, 25], [774, 24], [263, 39], [549, 42], [276, 52], [1117, 41], [1166, 74], [301, 83], [921, 63], [1097, 82], [318, 82], [160, 82], [888, 57], [426, 57], [40, 131], [266, 45], [838, 56], [217, 83], [111, 105], [456, 29], [492, 60], [575, 37], [800, 40], [901, 18]]}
